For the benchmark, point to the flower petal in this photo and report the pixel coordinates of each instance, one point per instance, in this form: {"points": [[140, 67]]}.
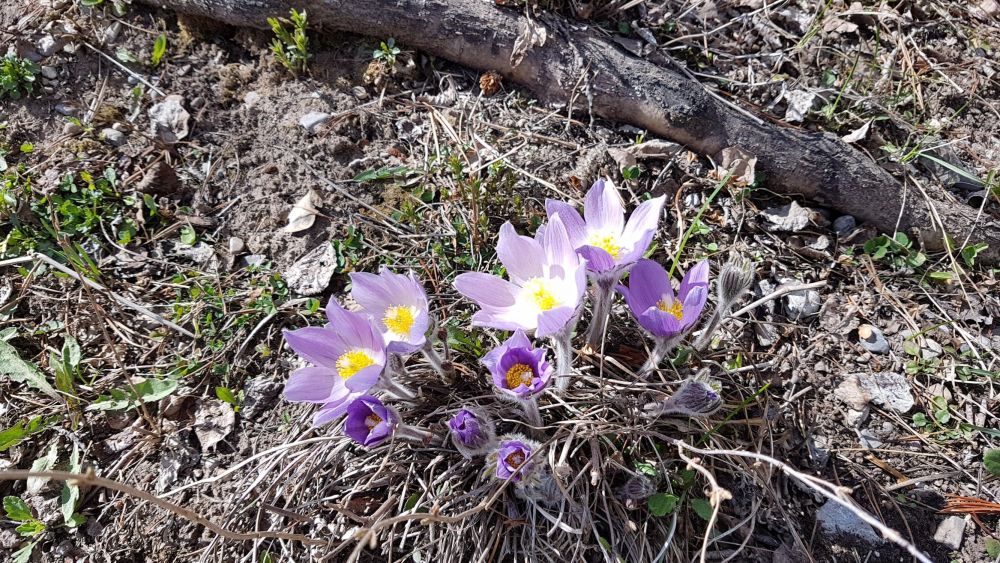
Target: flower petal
{"points": [[643, 222], [558, 249], [693, 304], [575, 227], [311, 385], [659, 323], [509, 318], [318, 345], [370, 291], [355, 329], [603, 208], [697, 276], [598, 259], [330, 412], [647, 283], [364, 379], [522, 256], [553, 320], [486, 290]]}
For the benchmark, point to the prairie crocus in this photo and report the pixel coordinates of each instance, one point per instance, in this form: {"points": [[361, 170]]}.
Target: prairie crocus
{"points": [[664, 316], [608, 243], [472, 432], [547, 282], [347, 357], [397, 304], [513, 458], [520, 372], [369, 423], [694, 398]]}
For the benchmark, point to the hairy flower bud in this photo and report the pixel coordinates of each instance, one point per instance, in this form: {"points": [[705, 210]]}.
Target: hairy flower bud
{"points": [[472, 432], [734, 280], [693, 398]]}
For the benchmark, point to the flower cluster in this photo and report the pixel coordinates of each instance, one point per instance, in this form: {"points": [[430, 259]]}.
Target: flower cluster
{"points": [[359, 355]]}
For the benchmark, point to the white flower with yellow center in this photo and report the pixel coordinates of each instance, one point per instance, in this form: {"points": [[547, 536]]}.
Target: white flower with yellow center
{"points": [[397, 304]]}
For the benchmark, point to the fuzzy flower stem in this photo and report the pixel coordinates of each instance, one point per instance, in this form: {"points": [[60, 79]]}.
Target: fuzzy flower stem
{"points": [[563, 358], [414, 434], [603, 297], [444, 368], [661, 348], [389, 383], [531, 413], [721, 313]]}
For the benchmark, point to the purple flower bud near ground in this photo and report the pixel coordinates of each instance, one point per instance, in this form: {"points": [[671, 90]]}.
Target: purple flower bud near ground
{"points": [[369, 422], [547, 283], [397, 305], [693, 398], [348, 356], [518, 369], [650, 297], [601, 236], [471, 432]]}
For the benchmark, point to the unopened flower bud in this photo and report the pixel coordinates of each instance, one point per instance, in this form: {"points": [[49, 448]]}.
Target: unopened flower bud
{"points": [[694, 398], [734, 280], [472, 432]]}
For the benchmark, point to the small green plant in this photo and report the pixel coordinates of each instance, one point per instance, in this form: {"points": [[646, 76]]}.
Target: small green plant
{"points": [[28, 526], [17, 75], [991, 459], [159, 50], [291, 49], [970, 252], [387, 51], [897, 250]]}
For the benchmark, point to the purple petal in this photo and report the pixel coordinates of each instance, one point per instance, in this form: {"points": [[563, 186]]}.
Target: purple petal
{"points": [[311, 385], [522, 256], [330, 412], [553, 320], [659, 323], [693, 304], [642, 223], [486, 290], [576, 229], [637, 249], [502, 319], [317, 345], [364, 379], [697, 276], [371, 293], [647, 283], [558, 249], [355, 329], [598, 259], [518, 340], [603, 209]]}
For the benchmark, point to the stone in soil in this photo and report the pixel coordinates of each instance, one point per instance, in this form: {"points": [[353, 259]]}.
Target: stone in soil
{"points": [[871, 339], [837, 520], [312, 120], [113, 136], [802, 305], [844, 224], [950, 532]]}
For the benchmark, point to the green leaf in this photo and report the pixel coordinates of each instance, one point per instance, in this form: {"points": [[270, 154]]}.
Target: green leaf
{"points": [[44, 463], [920, 420], [155, 389], [991, 459], [146, 392], [645, 468], [117, 400], [662, 504], [21, 371], [16, 509], [188, 236], [159, 49], [411, 502], [23, 555], [702, 508], [17, 433], [31, 528], [125, 56], [992, 548], [71, 354], [226, 395], [384, 173], [70, 494]]}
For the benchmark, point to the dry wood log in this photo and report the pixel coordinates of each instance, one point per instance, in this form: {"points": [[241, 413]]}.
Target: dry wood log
{"points": [[575, 62]]}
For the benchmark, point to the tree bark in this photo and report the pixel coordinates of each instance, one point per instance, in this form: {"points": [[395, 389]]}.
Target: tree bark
{"points": [[578, 61]]}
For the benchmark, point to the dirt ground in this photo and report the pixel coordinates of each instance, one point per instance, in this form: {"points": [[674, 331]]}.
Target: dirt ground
{"points": [[414, 166]]}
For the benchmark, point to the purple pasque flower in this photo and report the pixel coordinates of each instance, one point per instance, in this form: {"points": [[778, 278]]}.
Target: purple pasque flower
{"points": [[651, 298], [347, 357], [471, 432], [519, 369], [397, 304], [513, 454], [547, 282], [369, 422], [602, 236]]}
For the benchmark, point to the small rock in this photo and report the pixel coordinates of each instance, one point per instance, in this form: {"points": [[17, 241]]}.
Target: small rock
{"points": [[311, 274], [68, 110], [844, 224], [360, 92], [838, 520], [869, 440], [855, 418], [250, 99], [72, 129], [254, 260], [313, 119], [872, 339], [236, 245], [170, 119], [113, 136], [803, 304], [32, 55], [213, 421], [48, 45], [950, 532], [198, 102], [50, 72], [160, 179], [70, 48], [111, 32], [259, 395], [931, 349], [793, 217]]}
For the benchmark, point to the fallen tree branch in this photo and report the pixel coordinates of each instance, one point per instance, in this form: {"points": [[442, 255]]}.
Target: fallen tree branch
{"points": [[552, 57]]}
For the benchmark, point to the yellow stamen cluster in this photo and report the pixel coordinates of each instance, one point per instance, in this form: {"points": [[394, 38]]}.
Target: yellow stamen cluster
{"points": [[372, 420], [519, 374], [399, 319], [606, 242], [353, 361], [676, 308], [540, 295], [515, 459]]}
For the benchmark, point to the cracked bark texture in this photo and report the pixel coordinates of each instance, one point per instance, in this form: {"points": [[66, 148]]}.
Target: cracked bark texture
{"points": [[647, 93]]}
